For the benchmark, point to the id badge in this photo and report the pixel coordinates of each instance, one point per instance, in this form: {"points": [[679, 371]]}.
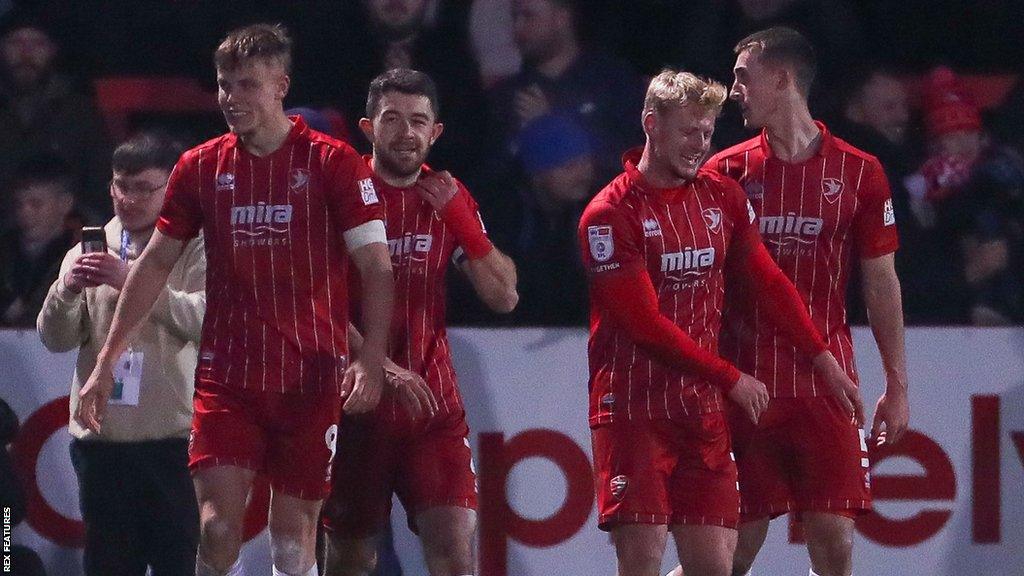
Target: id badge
{"points": [[127, 379]]}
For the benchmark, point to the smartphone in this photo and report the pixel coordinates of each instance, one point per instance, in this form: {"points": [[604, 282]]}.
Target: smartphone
{"points": [[94, 239]]}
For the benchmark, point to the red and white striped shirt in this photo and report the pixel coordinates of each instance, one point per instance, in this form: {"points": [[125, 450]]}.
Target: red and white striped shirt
{"points": [[681, 238], [813, 218], [277, 296], [421, 246]]}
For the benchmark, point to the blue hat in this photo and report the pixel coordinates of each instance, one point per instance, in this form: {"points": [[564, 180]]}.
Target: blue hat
{"points": [[552, 141]]}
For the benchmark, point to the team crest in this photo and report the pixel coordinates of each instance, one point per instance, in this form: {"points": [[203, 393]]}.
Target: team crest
{"points": [[225, 181], [831, 188], [601, 244], [618, 486], [298, 179], [713, 218]]}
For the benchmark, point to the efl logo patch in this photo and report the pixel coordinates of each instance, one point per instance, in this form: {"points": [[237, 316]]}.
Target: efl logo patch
{"points": [[831, 188], [713, 218], [298, 179], [618, 486], [888, 214], [368, 192], [225, 181], [601, 244]]}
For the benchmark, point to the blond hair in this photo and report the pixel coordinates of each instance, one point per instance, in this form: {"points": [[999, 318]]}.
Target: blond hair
{"points": [[674, 88], [263, 41]]}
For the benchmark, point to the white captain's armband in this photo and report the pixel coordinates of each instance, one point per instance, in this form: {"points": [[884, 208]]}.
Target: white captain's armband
{"points": [[365, 233]]}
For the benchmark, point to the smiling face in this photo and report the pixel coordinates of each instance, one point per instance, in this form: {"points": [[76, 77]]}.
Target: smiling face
{"points": [[757, 87], [679, 137], [251, 94], [402, 131]]}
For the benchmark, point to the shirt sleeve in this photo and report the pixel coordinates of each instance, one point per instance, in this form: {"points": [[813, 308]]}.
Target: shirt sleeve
{"points": [[744, 231], [181, 216], [459, 255], [874, 224], [351, 196], [607, 240]]}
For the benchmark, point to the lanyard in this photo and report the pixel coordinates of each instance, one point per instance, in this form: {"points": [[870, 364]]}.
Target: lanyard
{"points": [[125, 242]]}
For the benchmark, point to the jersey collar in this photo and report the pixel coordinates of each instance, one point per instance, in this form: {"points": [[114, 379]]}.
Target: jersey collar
{"points": [[827, 142]]}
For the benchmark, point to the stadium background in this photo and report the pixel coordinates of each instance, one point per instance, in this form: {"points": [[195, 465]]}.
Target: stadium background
{"points": [[950, 500]]}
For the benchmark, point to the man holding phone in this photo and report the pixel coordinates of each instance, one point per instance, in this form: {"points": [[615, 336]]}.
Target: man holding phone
{"points": [[133, 473]]}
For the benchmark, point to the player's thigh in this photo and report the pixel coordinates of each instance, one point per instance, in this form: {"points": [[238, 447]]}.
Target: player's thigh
{"points": [[222, 492], [447, 529], [435, 469], [362, 484], [639, 548], [300, 453], [702, 488], [831, 458], [704, 550], [225, 429], [632, 466]]}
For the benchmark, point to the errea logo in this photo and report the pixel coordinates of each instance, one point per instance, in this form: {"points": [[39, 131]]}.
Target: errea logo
{"points": [[651, 228]]}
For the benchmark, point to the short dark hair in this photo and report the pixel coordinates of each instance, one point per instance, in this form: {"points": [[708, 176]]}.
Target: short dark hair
{"points": [[44, 168], [145, 150], [786, 46], [265, 41], [405, 81]]}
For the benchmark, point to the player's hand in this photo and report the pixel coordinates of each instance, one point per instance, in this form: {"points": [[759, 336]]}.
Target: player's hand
{"points": [[103, 268], [893, 410], [411, 390], [362, 386], [530, 103], [79, 276], [844, 390], [751, 395], [437, 188], [93, 397]]}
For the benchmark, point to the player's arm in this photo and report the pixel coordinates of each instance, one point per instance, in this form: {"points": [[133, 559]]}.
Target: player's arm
{"points": [[369, 252], [146, 280], [881, 291], [494, 279], [492, 273], [181, 311], [411, 389]]}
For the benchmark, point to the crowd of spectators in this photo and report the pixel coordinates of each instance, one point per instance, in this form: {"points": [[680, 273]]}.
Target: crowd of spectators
{"points": [[539, 99]]}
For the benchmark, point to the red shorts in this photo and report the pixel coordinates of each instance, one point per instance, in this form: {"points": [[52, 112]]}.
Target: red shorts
{"points": [[425, 466], [804, 454], [289, 437], [665, 472]]}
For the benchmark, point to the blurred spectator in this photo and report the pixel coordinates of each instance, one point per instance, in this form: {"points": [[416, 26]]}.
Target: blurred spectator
{"points": [[972, 190], [31, 251], [876, 118], [326, 120], [23, 561], [40, 111], [557, 156], [385, 34], [561, 75], [490, 31], [134, 472]]}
